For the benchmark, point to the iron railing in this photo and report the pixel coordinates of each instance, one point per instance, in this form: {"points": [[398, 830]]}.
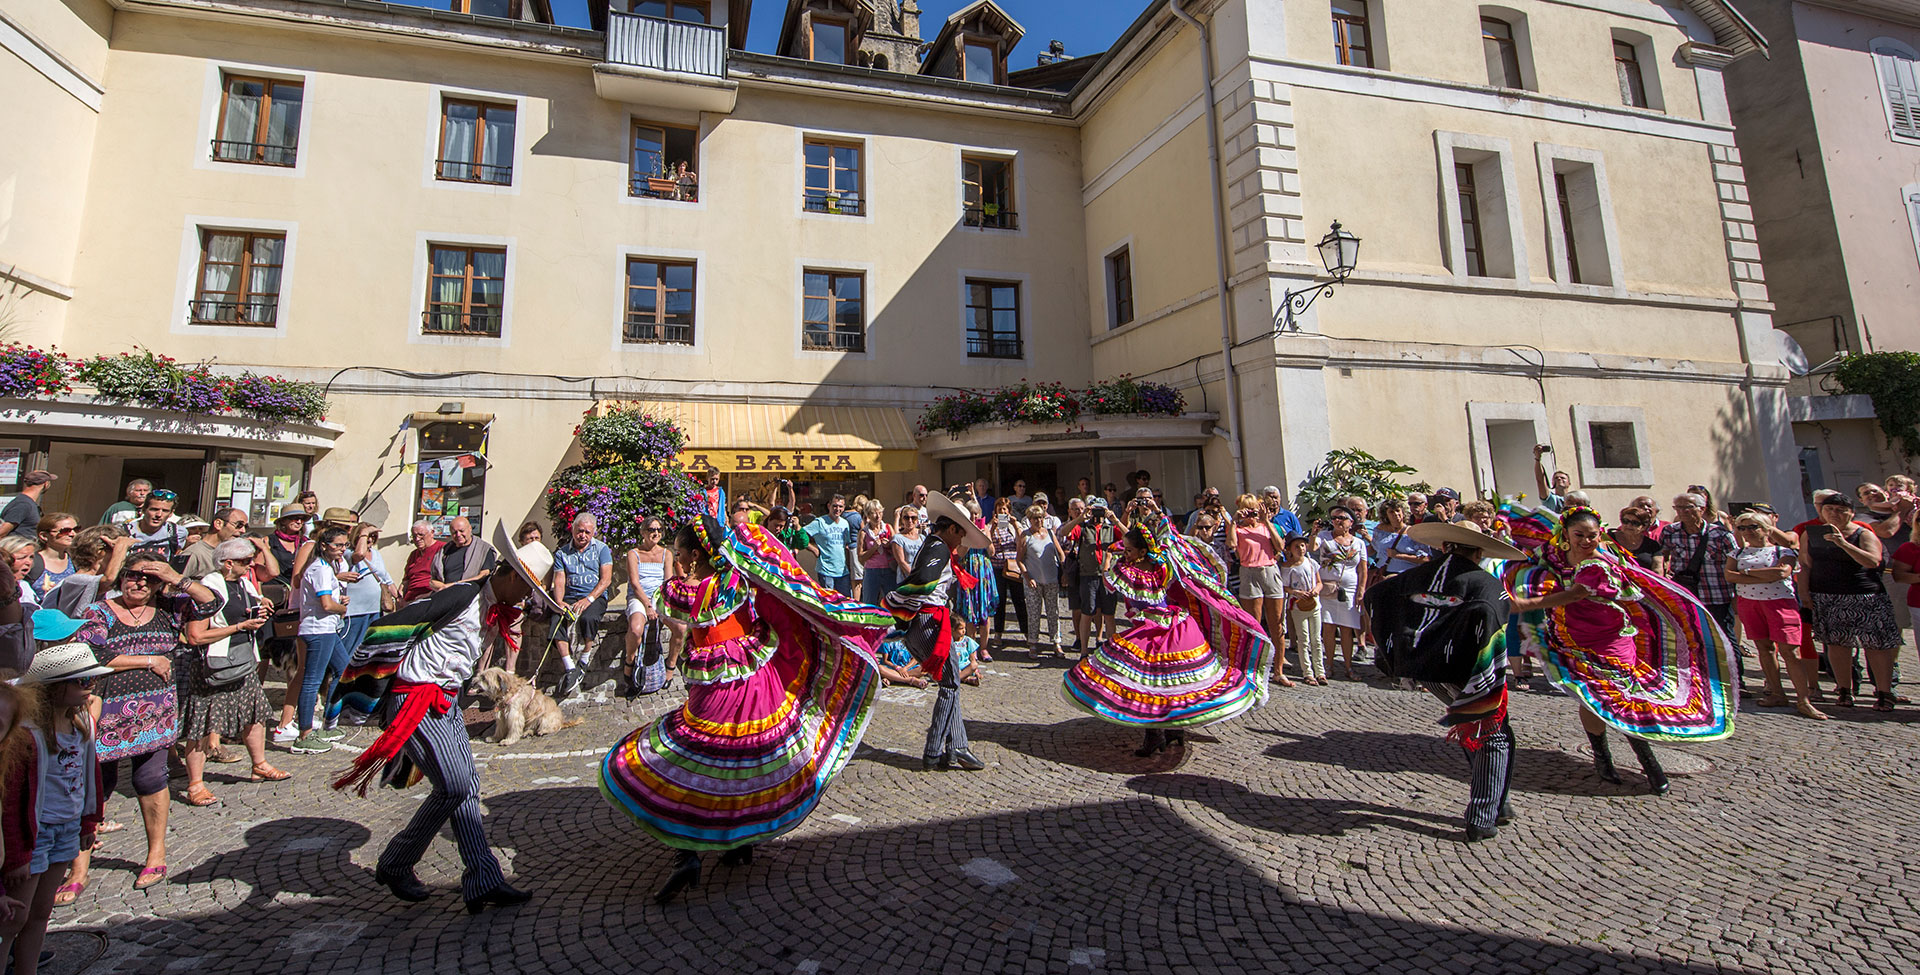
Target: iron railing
{"points": [[263, 153], [640, 332], [994, 219], [463, 171], [983, 346], [666, 45], [815, 339], [849, 204], [259, 311], [450, 320], [657, 188]]}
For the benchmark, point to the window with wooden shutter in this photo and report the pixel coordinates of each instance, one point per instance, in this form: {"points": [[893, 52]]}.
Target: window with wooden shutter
{"points": [[1901, 88]]}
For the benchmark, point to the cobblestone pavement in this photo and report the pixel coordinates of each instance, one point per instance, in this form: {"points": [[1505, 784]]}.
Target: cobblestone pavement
{"points": [[1320, 833]]}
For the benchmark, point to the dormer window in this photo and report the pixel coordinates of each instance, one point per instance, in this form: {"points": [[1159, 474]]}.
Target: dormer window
{"points": [[684, 11], [983, 62], [829, 41]]}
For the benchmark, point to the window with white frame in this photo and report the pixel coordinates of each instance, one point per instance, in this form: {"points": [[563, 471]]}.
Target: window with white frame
{"points": [[1120, 287], [1613, 447], [1582, 242], [1894, 62], [1504, 41], [1636, 68], [1353, 34], [1478, 203]]}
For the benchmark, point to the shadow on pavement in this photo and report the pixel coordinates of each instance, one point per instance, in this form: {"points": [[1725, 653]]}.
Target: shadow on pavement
{"points": [[1541, 770], [1119, 886]]}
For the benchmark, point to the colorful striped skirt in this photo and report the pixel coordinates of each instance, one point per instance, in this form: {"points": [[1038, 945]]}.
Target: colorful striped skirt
{"points": [[769, 721], [977, 602], [1161, 673]]}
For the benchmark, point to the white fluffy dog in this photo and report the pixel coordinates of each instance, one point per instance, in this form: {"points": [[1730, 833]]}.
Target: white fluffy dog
{"points": [[519, 707]]}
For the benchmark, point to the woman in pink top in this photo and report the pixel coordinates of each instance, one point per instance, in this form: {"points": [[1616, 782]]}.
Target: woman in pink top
{"points": [[1257, 545], [876, 553]]}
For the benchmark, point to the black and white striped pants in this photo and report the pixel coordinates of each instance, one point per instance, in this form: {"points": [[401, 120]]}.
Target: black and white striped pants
{"points": [[1492, 768], [442, 750]]}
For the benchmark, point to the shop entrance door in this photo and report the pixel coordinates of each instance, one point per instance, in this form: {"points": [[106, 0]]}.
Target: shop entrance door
{"points": [[1055, 474], [95, 475]]}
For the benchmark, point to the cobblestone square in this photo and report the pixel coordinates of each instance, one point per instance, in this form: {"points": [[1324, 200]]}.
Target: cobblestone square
{"points": [[1320, 833]]}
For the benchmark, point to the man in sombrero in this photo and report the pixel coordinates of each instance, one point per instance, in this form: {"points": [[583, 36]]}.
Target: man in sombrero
{"points": [[1444, 623], [923, 602], [412, 666]]}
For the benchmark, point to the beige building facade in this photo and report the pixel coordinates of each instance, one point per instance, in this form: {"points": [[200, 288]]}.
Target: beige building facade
{"points": [[1831, 136], [473, 228]]}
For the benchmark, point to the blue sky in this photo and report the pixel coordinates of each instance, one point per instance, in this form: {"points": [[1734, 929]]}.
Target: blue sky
{"points": [[1086, 26]]}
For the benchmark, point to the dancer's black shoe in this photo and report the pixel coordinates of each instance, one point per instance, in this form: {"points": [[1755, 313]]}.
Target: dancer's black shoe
{"points": [[739, 856], [1656, 776], [501, 896], [685, 875], [405, 886], [965, 761], [1477, 833], [1151, 744], [1603, 759]]}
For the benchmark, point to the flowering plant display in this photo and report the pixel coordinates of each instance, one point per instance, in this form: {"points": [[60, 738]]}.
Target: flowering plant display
{"points": [[631, 473], [26, 371], [144, 378], [1049, 403]]}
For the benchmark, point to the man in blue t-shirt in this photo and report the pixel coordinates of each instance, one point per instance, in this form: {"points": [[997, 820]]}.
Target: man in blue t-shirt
{"points": [[1275, 504], [582, 574], [832, 535]]}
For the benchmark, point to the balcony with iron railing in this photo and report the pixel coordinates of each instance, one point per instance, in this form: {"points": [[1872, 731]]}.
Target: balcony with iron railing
{"points": [[991, 217], [649, 332], [983, 345], [813, 338], [449, 319], [847, 204], [466, 171], [260, 153], [261, 311], [665, 63]]}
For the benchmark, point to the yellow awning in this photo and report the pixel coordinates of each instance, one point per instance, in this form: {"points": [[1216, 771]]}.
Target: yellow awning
{"points": [[789, 438]]}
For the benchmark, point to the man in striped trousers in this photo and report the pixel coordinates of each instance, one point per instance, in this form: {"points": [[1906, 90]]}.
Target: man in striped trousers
{"points": [[425, 729]]}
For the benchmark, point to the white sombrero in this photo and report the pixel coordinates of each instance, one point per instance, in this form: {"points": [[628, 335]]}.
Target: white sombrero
{"points": [[532, 561], [1437, 533], [940, 506]]}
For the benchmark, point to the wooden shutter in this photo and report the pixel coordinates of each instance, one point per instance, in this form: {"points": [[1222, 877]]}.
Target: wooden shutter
{"points": [[1898, 80]]}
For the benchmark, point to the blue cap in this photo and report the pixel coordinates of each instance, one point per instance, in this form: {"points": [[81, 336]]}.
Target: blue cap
{"points": [[53, 626]]}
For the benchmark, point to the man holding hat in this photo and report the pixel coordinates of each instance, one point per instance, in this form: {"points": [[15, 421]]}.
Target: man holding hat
{"points": [[1443, 623], [439, 641], [21, 516], [923, 603]]}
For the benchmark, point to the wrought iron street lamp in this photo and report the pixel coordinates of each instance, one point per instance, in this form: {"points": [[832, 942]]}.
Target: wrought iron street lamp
{"points": [[1340, 252]]}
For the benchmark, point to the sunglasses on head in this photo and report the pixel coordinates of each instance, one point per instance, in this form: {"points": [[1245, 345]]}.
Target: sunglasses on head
{"points": [[163, 495]]}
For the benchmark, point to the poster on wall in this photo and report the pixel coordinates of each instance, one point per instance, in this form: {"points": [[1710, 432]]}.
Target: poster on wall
{"points": [[10, 467], [223, 485], [430, 477], [243, 501], [432, 501]]}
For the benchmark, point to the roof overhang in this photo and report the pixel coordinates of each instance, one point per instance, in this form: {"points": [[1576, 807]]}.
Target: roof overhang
{"points": [[1731, 30]]}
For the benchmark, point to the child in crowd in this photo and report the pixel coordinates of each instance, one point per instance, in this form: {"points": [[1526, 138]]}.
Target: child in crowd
{"points": [[1300, 579], [52, 804]]}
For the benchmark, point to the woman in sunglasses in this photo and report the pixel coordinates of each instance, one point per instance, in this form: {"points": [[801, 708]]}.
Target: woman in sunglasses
{"points": [[649, 565], [136, 632], [1635, 537], [54, 561]]}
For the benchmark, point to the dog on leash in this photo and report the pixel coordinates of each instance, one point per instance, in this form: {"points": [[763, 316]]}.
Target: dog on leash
{"points": [[519, 707]]}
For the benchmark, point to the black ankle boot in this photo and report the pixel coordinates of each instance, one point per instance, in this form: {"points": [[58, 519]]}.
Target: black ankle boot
{"points": [[1603, 759], [685, 875], [1656, 776], [1155, 740], [739, 856]]}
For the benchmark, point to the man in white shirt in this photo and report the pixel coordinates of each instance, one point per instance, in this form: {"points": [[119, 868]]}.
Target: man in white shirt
{"points": [[426, 729]]}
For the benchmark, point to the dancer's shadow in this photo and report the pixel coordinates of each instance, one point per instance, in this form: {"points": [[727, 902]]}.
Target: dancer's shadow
{"points": [[1291, 815], [881, 756], [1540, 770], [1088, 743], [284, 856]]}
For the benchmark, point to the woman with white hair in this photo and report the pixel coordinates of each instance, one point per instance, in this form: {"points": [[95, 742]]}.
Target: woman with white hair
{"points": [[223, 678]]}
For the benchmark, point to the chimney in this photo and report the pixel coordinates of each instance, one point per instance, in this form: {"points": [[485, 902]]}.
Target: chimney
{"points": [[910, 19]]}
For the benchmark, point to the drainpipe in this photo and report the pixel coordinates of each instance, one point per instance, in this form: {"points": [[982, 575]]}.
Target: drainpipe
{"points": [[1236, 442]]}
